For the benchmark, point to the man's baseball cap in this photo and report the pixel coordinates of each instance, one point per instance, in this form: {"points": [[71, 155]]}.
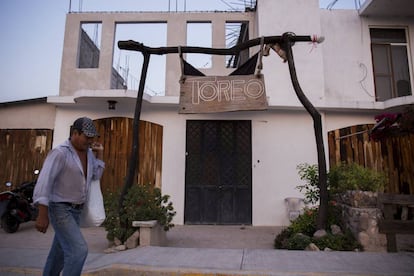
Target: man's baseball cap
{"points": [[86, 126]]}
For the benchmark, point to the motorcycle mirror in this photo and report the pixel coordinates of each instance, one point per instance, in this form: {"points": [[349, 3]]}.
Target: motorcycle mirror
{"points": [[8, 184], [36, 172]]}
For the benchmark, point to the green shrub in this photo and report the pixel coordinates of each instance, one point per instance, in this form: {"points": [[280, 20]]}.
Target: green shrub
{"points": [[340, 242], [310, 189], [298, 241], [305, 223], [112, 221], [354, 177], [340, 178], [281, 240], [142, 202]]}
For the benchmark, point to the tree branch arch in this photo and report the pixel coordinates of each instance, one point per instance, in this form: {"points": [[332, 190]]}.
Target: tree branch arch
{"points": [[284, 43]]}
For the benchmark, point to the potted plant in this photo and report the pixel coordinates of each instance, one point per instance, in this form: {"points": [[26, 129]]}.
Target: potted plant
{"points": [[355, 185], [301, 232], [142, 203]]}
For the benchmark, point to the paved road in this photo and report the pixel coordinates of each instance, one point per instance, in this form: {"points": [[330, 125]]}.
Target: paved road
{"points": [[24, 253]]}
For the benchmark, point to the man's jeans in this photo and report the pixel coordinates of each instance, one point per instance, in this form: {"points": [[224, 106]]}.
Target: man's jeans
{"points": [[69, 248]]}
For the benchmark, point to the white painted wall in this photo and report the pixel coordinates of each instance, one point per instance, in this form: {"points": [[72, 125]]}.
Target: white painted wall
{"points": [[27, 116], [344, 45], [300, 17], [337, 120], [347, 55]]}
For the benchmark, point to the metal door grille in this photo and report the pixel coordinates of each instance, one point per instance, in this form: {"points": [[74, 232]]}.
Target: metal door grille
{"points": [[218, 172]]}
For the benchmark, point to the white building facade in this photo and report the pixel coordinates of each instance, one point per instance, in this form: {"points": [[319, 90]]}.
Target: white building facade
{"points": [[363, 68]]}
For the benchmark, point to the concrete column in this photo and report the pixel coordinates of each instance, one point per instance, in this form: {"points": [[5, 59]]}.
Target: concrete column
{"points": [[105, 59], [218, 28], [176, 35]]}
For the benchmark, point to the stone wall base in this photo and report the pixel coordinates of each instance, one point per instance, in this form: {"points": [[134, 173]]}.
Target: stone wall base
{"points": [[363, 223]]}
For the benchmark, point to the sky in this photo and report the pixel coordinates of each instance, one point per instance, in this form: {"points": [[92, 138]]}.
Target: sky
{"points": [[32, 33]]}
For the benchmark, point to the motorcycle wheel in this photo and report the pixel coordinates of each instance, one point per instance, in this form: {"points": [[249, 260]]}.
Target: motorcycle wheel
{"points": [[9, 223]]}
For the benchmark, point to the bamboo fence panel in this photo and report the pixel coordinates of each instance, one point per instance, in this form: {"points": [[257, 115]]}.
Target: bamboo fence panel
{"points": [[394, 155], [116, 136], [21, 152], [24, 150]]}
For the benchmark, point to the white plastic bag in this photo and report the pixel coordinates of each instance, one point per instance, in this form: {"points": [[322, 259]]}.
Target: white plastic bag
{"points": [[93, 213]]}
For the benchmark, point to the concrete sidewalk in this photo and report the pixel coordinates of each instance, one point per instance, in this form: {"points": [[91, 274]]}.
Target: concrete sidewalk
{"points": [[25, 252]]}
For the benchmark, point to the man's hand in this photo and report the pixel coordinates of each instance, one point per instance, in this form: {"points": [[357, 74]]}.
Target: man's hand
{"points": [[97, 148], [42, 220]]}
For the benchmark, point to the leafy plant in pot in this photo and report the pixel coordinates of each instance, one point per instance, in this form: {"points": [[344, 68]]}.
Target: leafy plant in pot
{"points": [[299, 234], [142, 202], [355, 185]]}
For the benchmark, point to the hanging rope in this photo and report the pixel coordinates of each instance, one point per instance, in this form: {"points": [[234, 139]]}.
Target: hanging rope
{"points": [[260, 61], [276, 47], [182, 78]]}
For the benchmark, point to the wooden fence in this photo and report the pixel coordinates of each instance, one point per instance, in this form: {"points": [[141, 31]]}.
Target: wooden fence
{"points": [[23, 151], [116, 136], [394, 155]]}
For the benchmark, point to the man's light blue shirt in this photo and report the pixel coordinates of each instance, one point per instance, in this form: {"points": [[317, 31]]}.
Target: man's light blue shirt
{"points": [[62, 179]]}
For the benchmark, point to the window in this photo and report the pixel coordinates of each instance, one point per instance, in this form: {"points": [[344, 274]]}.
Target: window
{"points": [[127, 65], [390, 60], [237, 33], [89, 45], [199, 34]]}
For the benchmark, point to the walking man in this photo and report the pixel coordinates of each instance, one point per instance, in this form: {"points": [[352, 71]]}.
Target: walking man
{"points": [[62, 189]]}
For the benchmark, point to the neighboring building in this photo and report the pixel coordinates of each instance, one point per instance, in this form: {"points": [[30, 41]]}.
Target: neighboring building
{"points": [[363, 68]]}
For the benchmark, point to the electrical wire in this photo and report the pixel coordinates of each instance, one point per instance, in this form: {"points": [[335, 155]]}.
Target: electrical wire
{"points": [[331, 5], [228, 5]]}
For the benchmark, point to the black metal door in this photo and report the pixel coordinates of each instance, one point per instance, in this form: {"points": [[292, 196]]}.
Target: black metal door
{"points": [[218, 178]]}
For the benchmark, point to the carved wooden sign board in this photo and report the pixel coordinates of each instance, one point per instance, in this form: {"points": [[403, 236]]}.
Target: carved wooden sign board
{"points": [[210, 94]]}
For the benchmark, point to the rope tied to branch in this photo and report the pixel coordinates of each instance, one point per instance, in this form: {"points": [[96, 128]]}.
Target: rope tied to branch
{"points": [[261, 53], [180, 54], [315, 41]]}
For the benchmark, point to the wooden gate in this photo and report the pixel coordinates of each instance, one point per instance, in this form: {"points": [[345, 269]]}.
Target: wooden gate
{"points": [[21, 152], [116, 136], [393, 155]]}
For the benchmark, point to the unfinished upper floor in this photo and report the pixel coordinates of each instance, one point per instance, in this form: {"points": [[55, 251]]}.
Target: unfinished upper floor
{"points": [[365, 62]]}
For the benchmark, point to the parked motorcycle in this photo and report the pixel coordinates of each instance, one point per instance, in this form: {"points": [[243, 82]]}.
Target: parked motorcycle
{"points": [[16, 206]]}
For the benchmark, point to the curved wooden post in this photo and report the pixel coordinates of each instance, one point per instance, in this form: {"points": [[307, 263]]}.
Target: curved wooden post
{"points": [[133, 159], [288, 41]]}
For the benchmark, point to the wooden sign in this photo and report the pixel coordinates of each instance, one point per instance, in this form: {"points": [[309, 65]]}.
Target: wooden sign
{"points": [[209, 94]]}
